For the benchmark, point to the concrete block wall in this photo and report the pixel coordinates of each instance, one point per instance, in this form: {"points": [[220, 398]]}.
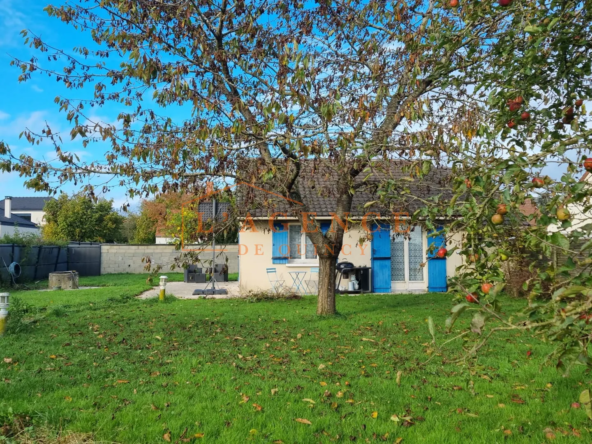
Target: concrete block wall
{"points": [[128, 258]]}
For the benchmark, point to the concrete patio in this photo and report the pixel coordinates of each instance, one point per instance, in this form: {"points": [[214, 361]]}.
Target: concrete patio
{"points": [[184, 290]]}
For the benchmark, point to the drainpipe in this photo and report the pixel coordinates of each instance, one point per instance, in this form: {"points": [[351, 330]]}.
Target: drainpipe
{"points": [[163, 282], [8, 207], [4, 298]]}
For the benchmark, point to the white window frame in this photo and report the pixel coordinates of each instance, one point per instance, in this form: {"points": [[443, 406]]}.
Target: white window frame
{"points": [[407, 285], [302, 259]]}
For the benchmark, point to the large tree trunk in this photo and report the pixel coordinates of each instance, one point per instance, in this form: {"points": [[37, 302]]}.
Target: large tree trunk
{"points": [[326, 299]]}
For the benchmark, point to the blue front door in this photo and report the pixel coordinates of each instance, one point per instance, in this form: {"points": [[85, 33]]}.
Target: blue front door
{"points": [[381, 259], [436, 267]]}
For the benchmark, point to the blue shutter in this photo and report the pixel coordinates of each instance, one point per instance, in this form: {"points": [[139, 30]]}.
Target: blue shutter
{"points": [[381, 259], [280, 244], [436, 267]]}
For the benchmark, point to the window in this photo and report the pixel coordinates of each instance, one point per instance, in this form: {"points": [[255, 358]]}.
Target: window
{"points": [[407, 257], [301, 247]]}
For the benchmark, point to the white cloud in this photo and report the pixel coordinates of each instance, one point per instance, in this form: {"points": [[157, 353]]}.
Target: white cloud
{"points": [[36, 88], [12, 22], [3, 115]]}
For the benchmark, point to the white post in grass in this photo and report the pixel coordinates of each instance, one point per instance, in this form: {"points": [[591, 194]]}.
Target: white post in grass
{"points": [[4, 302], [163, 282]]}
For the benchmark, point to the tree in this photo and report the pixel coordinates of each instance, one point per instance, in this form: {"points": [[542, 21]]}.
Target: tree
{"points": [[537, 87], [340, 83], [80, 219]]}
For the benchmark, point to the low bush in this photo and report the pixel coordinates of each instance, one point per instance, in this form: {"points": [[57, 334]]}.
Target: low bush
{"points": [[270, 295]]}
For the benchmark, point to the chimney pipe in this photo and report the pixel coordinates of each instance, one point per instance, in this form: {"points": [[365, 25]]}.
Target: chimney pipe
{"points": [[7, 207]]}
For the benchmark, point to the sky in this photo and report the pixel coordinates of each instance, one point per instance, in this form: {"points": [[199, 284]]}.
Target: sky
{"points": [[30, 104]]}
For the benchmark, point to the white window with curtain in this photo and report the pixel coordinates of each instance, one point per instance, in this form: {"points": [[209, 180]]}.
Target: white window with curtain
{"points": [[407, 260], [302, 249]]}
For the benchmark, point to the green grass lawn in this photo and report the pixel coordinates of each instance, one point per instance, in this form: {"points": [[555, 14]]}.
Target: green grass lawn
{"points": [[127, 285], [229, 371]]}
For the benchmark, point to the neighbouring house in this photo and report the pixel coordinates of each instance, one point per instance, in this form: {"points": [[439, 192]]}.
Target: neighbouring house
{"points": [[399, 262], [27, 208], [581, 213], [12, 219]]}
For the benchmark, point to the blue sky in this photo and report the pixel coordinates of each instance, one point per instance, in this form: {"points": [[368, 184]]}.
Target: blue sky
{"points": [[31, 104]]}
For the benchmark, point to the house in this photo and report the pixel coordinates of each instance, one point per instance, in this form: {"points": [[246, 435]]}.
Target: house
{"points": [[580, 213], [27, 208], [11, 220], [401, 258]]}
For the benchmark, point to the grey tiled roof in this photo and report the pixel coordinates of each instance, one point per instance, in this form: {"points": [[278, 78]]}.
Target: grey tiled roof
{"points": [[27, 203], [316, 187], [15, 220]]}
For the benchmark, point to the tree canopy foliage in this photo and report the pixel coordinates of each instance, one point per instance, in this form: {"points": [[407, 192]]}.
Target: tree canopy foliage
{"points": [[78, 218]]}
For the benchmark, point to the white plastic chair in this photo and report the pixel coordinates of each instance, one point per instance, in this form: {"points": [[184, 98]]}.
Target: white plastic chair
{"points": [[313, 284], [276, 283]]}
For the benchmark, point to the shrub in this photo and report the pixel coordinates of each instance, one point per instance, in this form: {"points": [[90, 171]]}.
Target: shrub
{"points": [[16, 316], [270, 295]]}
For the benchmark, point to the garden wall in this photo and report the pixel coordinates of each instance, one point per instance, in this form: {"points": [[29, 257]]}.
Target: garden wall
{"points": [[128, 258]]}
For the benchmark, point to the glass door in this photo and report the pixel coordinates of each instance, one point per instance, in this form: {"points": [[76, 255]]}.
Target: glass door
{"points": [[407, 257]]}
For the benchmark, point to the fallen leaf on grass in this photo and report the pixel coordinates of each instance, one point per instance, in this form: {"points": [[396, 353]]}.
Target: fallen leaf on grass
{"points": [[273, 391], [122, 381], [8, 360], [52, 356], [323, 384], [199, 435], [257, 407], [549, 434], [303, 421], [374, 415], [68, 398], [154, 407], [586, 401], [368, 340], [501, 406], [339, 394], [399, 374], [489, 396], [398, 440], [158, 337], [309, 400], [507, 432], [321, 367], [167, 436]]}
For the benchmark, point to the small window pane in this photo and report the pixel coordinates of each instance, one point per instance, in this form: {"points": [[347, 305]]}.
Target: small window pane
{"points": [[416, 255], [398, 259], [295, 237]]}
